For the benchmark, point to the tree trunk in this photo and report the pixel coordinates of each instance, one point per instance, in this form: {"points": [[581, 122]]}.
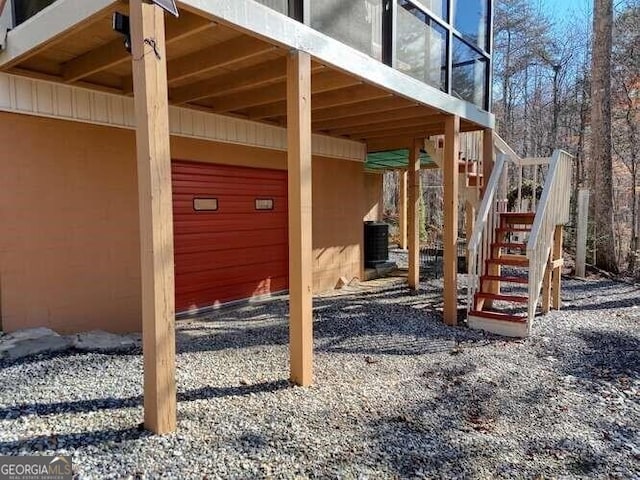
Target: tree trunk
{"points": [[602, 165]]}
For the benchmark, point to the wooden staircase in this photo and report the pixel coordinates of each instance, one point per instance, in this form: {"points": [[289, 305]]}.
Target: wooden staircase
{"points": [[515, 258], [486, 313]]}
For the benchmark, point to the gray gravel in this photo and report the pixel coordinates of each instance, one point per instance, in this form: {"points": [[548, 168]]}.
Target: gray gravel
{"points": [[397, 395]]}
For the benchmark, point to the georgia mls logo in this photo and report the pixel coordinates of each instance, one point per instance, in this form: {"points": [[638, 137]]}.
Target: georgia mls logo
{"points": [[36, 468]]}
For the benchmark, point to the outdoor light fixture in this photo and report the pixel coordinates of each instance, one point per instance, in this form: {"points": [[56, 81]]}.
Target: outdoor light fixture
{"points": [[167, 5], [121, 25], [121, 21]]}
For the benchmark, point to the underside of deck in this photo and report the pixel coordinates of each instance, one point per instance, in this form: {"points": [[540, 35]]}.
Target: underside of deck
{"points": [[216, 67]]}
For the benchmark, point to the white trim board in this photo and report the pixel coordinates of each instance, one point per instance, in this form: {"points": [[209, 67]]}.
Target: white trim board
{"points": [[54, 100]]}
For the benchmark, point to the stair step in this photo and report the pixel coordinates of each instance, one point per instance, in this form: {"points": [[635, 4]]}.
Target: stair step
{"points": [[521, 246], [473, 179], [512, 229], [502, 297], [505, 317], [511, 260], [499, 324], [518, 218], [505, 279]]}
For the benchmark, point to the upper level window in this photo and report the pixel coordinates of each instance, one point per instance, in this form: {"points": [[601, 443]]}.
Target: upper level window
{"points": [[471, 20], [281, 6], [421, 46], [357, 23], [25, 9], [469, 74], [438, 7]]}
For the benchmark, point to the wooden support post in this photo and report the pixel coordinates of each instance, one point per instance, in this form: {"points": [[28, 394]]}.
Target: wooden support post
{"points": [[581, 238], [402, 209], [557, 272], [413, 217], [546, 285], [156, 216], [300, 219], [469, 222], [450, 237], [488, 159]]}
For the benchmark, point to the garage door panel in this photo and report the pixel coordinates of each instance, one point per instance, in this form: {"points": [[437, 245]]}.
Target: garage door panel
{"points": [[231, 276], [230, 293], [205, 261], [235, 251], [242, 206], [202, 242]]}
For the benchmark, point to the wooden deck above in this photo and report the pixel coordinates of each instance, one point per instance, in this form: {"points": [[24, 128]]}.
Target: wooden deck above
{"points": [[218, 67]]}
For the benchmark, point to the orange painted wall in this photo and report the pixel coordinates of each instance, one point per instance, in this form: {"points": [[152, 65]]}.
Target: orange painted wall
{"points": [[69, 248]]}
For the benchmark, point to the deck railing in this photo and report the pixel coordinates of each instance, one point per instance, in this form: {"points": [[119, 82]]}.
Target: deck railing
{"points": [[553, 210], [479, 246]]}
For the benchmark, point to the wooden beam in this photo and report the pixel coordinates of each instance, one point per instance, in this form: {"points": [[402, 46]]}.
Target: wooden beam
{"points": [[322, 82], [409, 124], [64, 18], [556, 276], [346, 96], [402, 208], [114, 53], [488, 155], [300, 217], [156, 218], [363, 108], [389, 143], [213, 57], [369, 119], [413, 215], [424, 131], [233, 82], [581, 236], [450, 234]]}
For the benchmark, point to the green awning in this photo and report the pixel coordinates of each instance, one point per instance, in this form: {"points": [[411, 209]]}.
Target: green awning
{"points": [[395, 159]]}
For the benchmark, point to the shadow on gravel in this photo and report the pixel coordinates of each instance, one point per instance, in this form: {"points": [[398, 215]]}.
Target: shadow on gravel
{"points": [[393, 321], [83, 406], [605, 305], [74, 440], [606, 355]]}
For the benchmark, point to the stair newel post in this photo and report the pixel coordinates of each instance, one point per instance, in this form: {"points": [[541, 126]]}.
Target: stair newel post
{"points": [[557, 270]]}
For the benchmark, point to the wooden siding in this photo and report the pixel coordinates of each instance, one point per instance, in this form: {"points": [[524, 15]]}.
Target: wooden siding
{"points": [[48, 99]]}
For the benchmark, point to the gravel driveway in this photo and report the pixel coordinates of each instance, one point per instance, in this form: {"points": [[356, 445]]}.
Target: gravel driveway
{"points": [[397, 395]]}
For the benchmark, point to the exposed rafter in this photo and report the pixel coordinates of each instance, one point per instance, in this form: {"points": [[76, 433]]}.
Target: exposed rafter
{"points": [[322, 82], [113, 53], [221, 55], [346, 96]]}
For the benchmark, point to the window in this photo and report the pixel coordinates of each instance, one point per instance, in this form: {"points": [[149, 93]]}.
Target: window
{"points": [[469, 74], [421, 46], [264, 203], [439, 7], [205, 204], [357, 23], [281, 6], [471, 20], [23, 10]]}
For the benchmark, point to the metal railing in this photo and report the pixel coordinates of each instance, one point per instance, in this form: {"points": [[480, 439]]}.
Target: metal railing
{"points": [[553, 210]]}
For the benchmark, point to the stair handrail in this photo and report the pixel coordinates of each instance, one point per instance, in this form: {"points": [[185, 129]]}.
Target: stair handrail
{"points": [[552, 210], [478, 250]]}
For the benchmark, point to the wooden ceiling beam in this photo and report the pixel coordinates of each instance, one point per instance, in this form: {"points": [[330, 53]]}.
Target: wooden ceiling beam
{"points": [[349, 95], [321, 82], [409, 123], [362, 108], [216, 56], [389, 143], [114, 53], [259, 75], [423, 131], [368, 119]]}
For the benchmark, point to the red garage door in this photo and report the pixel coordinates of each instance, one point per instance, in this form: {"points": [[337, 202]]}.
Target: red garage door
{"points": [[230, 228]]}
